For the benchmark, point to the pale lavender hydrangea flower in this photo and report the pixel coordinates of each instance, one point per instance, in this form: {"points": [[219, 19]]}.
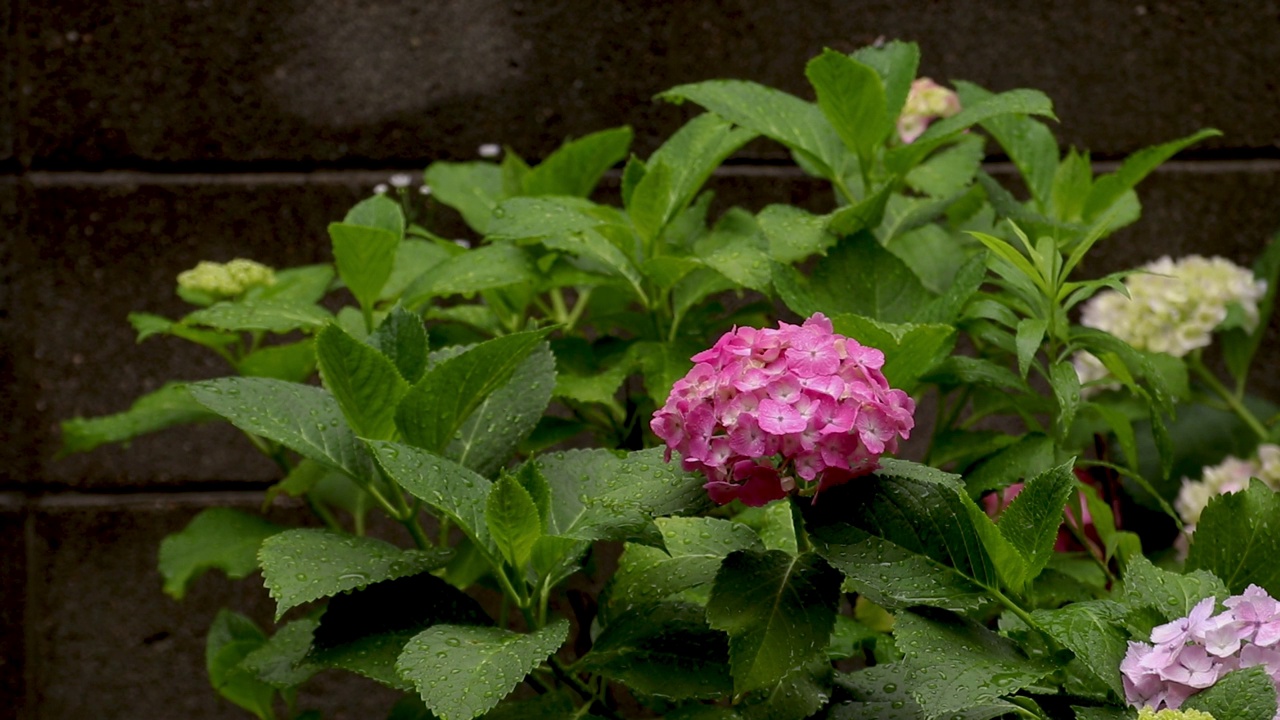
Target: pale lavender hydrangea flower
{"points": [[1192, 653]]}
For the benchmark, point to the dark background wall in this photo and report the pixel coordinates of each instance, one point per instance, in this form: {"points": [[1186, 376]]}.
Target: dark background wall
{"points": [[137, 138]]}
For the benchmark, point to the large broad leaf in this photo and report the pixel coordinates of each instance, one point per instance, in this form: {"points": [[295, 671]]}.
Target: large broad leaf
{"points": [[414, 258], [307, 564], [1108, 189], [785, 118], [904, 536], [678, 169], [217, 538], [798, 694], [168, 406], [667, 650], [599, 494], [294, 362], [365, 631], [948, 173], [695, 547], [883, 692], [437, 405], [305, 419], [737, 249], [1168, 594], [484, 268], [778, 610], [1240, 347], [1236, 539], [1092, 631], [794, 234], [852, 98], [304, 284], [365, 382], [576, 167], [364, 246], [896, 62], [472, 188], [493, 661], [910, 351], [513, 519], [277, 316], [490, 435], [858, 277], [442, 484], [1247, 694], [954, 664], [231, 638]]}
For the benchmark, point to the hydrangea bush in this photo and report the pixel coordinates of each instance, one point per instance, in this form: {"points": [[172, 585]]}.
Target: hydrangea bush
{"points": [[710, 413]]}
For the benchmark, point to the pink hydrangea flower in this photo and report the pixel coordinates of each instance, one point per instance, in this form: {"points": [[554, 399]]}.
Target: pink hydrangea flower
{"points": [[1192, 653], [764, 412], [926, 101]]}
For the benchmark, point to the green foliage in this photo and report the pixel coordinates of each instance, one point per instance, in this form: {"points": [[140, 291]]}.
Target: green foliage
{"points": [[1247, 694], [169, 406], [1236, 541], [216, 538]]}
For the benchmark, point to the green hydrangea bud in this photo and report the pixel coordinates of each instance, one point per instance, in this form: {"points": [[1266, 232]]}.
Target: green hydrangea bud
{"points": [[222, 281], [1147, 713]]}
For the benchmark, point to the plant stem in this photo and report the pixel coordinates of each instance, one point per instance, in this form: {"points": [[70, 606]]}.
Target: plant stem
{"points": [[1016, 609], [1229, 397], [580, 687]]}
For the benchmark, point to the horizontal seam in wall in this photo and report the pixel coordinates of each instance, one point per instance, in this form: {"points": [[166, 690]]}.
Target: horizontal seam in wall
{"points": [[198, 498], [49, 178]]}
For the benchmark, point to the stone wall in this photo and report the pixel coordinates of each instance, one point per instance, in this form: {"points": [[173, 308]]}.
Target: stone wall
{"points": [[137, 138]]}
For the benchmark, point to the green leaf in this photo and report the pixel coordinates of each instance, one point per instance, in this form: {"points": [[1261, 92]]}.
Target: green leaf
{"points": [[402, 338], [775, 523], [513, 520], [294, 362], [1239, 347], [170, 405], [785, 118], [1092, 631], [1028, 143], [950, 171], [1012, 102], [364, 246], [437, 405], [493, 661], [1030, 523], [307, 564], [910, 351], [1247, 694], [778, 610], [490, 435], [277, 316], [737, 249], [414, 258], [663, 363], [679, 168], [472, 188], [365, 631], [859, 277], [797, 695], [1030, 335], [666, 650], [1066, 391], [306, 285], [599, 494], [1171, 594], [484, 268], [305, 419], [1108, 189], [904, 536], [961, 369], [365, 383], [445, 486], [1031, 455], [1235, 539], [954, 664], [794, 234], [576, 167], [964, 285], [231, 638], [852, 98], [1072, 183], [220, 538], [281, 660], [695, 547]]}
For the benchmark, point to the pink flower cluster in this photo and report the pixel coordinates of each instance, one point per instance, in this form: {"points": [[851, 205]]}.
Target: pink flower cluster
{"points": [[763, 409], [1192, 653]]}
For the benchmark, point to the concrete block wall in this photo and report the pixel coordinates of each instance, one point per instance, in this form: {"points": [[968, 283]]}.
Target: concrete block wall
{"points": [[138, 138]]}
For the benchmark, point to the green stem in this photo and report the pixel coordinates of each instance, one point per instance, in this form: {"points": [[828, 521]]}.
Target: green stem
{"points": [[1016, 609], [581, 688], [576, 313], [323, 513], [1229, 398], [419, 537], [1142, 483], [557, 304], [367, 311]]}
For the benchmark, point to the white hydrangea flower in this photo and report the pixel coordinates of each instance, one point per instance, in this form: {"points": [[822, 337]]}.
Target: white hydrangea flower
{"points": [[1173, 307], [1230, 476]]}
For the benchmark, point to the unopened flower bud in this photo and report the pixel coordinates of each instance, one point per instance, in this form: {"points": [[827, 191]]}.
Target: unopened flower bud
{"points": [[222, 281], [926, 102]]}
